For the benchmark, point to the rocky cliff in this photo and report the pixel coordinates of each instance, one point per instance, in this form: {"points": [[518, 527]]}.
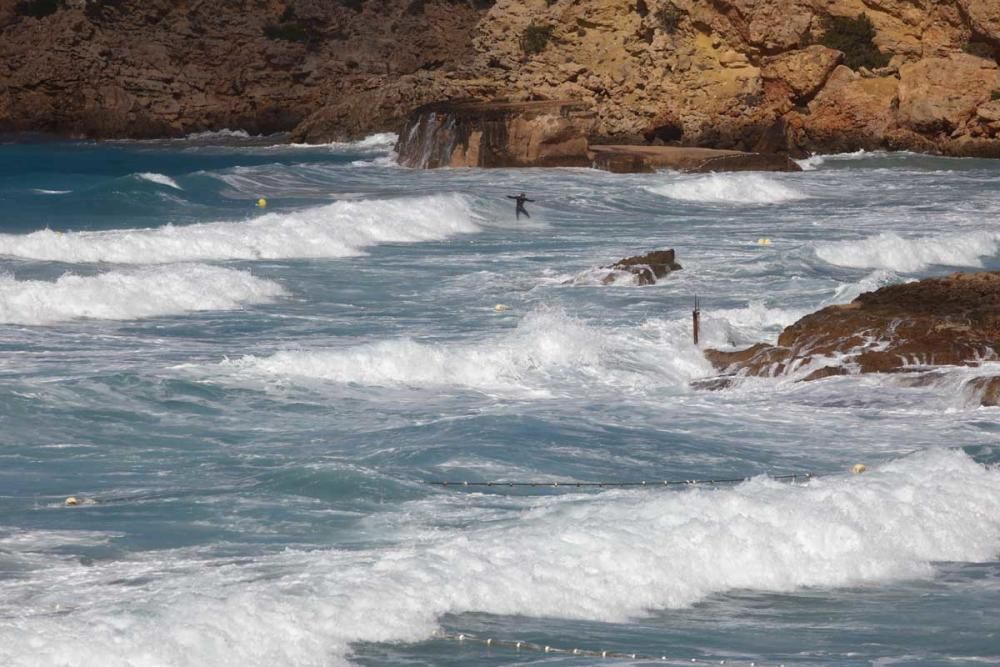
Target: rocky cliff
{"points": [[765, 75]]}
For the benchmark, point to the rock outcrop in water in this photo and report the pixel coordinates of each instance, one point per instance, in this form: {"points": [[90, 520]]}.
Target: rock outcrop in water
{"points": [[953, 320], [547, 134], [647, 268], [497, 134], [749, 75]]}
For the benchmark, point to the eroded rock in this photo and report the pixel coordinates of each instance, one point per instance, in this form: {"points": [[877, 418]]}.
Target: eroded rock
{"points": [[496, 134], [953, 320], [647, 268]]}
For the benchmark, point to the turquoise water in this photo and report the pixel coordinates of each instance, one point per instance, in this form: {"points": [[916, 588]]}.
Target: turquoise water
{"points": [[250, 404]]}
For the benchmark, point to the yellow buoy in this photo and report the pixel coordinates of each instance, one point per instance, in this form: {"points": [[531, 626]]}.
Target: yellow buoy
{"points": [[501, 308], [859, 468], [72, 500], [764, 241], [262, 203]]}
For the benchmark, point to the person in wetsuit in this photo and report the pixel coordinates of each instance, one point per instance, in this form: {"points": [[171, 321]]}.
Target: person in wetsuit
{"points": [[520, 199]]}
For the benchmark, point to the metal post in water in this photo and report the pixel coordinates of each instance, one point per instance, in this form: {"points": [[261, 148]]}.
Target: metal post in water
{"points": [[695, 316]]}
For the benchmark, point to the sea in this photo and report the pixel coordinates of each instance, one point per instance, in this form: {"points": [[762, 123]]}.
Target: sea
{"points": [[379, 421]]}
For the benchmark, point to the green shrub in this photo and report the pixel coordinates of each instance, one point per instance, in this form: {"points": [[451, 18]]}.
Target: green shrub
{"points": [[995, 95], [37, 8], [669, 17], [855, 38], [536, 38]]}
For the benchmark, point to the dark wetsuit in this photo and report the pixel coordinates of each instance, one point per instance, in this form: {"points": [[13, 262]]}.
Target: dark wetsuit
{"points": [[520, 199]]}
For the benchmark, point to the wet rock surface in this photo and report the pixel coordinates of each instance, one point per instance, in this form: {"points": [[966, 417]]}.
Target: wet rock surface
{"points": [[954, 320], [496, 134], [647, 268]]}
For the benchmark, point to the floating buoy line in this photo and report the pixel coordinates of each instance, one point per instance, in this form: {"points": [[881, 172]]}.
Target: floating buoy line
{"points": [[857, 469], [467, 638], [792, 477]]}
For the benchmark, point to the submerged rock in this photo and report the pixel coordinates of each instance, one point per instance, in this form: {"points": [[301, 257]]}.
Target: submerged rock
{"points": [[953, 320]]}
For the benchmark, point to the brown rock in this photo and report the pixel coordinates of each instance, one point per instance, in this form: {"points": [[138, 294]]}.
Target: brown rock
{"points": [[496, 134], [938, 321], [647, 268], [984, 15], [986, 388], [644, 159], [805, 71], [941, 94], [851, 112]]}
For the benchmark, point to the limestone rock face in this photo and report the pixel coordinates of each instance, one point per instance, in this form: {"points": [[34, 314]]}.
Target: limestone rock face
{"points": [[943, 94], [746, 75], [496, 134], [804, 71], [937, 321], [984, 16], [851, 112]]}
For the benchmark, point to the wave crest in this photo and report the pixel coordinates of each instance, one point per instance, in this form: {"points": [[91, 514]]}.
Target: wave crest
{"points": [[894, 253], [127, 295], [734, 189], [341, 229]]}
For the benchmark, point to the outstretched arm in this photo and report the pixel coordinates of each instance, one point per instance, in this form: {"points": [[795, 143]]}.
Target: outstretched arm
{"points": [[511, 197]]}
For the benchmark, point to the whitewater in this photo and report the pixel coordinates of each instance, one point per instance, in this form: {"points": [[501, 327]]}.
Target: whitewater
{"points": [[250, 406]]}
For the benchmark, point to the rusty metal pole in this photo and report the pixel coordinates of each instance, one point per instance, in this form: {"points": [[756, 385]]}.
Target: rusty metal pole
{"points": [[695, 316]]}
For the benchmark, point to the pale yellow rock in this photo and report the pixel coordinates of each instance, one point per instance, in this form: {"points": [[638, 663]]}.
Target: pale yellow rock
{"points": [[805, 71], [940, 94], [990, 111]]}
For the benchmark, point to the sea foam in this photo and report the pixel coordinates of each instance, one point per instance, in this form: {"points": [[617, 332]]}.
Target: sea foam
{"points": [[896, 253], [548, 351], [126, 295], [159, 179], [606, 558], [341, 229], [735, 189]]}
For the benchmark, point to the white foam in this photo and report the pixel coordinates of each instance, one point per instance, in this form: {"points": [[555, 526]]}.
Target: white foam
{"points": [[896, 253], [218, 134], [607, 558], [847, 292], [126, 295], [376, 143], [738, 326], [341, 229], [42, 191], [548, 351], [813, 162], [159, 179], [735, 189]]}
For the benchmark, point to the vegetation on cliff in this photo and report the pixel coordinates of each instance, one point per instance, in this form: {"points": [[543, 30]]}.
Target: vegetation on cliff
{"points": [[535, 38]]}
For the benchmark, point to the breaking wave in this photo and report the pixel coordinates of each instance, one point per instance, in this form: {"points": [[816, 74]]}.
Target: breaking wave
{"points": [[735, 189], [607, 558], [159, 179], [548, 350], [127, 295], [894, 253], [341, 229]]}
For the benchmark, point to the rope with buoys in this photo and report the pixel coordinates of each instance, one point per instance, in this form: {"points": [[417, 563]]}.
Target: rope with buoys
{"points": [[464, 637], [857, 469], [792, 477]]}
